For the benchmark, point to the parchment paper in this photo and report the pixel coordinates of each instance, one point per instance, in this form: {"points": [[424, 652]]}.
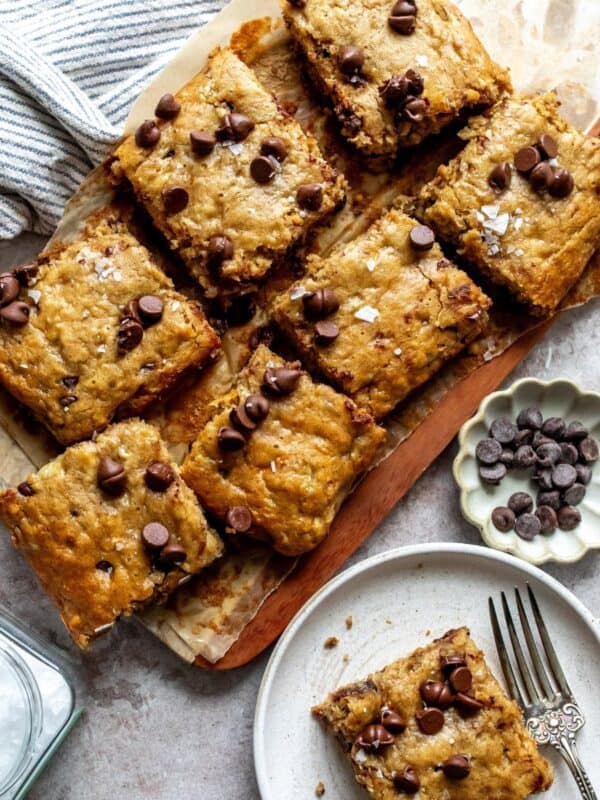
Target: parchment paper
{"points": [[547, 43]]}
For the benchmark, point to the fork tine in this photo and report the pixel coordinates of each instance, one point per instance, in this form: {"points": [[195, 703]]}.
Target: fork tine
{"points": [[524, 670], [507, 668], [538, 664], [557, 671]]}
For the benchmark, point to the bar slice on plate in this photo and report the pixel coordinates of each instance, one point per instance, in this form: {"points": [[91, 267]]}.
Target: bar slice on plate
{"points": [[522, 200], [109, 527], [436, 725], [380, 315], [279, 454], [96, 328], [394, 72], [230, 179]]}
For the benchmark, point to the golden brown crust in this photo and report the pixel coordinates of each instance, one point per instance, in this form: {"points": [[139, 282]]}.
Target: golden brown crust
{"points": [[427, 311], [296, 468], [458, 73], [505, 762], [262, 221], [546, 242], [68, 349], [69, 525]]}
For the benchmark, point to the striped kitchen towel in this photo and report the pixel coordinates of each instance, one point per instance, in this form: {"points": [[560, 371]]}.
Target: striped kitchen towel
{"points": [[69, 71]]}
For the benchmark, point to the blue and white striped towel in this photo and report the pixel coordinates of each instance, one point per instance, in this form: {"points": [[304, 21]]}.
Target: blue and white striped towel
{"points": [[69, 71]]}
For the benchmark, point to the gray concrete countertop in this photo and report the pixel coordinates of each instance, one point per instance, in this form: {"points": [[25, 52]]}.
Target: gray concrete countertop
{"points": [[156, 729]]}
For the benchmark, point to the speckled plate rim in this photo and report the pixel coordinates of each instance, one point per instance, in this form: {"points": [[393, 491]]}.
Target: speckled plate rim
{"points": [[462, 455], [399, 554]]}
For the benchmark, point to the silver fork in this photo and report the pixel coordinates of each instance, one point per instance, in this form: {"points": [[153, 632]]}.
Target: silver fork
{"points": [[552, 715]]}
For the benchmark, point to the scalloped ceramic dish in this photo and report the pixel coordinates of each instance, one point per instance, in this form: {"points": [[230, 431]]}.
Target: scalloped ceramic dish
{"points": [[560, 398]]}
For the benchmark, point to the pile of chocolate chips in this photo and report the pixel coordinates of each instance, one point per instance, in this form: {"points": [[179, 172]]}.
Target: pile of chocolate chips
{"points": [[561, 455]]}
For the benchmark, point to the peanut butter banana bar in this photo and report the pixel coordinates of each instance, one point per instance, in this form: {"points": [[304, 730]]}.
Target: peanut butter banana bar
{"points": [[109, 527], [229, 178], [436, 725]]}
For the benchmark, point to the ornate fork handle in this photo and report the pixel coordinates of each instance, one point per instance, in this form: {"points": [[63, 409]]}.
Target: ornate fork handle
{"points": [[558, 728]]}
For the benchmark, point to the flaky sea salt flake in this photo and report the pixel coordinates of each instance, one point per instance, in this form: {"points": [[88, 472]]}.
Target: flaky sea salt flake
{"points": [[367, 314]]}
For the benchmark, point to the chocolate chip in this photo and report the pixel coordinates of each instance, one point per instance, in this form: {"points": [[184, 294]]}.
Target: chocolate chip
{"points": [[467, 706], [507, 458], [171, 554], [436, 694], [452, 661], [544, 478], [548, 519], [25, 273], [492, 475], [131, 311], [562, 183], [568, 453], [461, 680], [70, 381], [568, 518], [457, 767], [105, 566], [406, 782], [528, 526], [584, 473], [155, 536], [574, 494], [422, 238], [175, 199], [503, 519], [488, 451], [220, 249], [539, 439], [588, 450], [554, 427], [229, 439], [202, 142], [548, 454], [129, 335], [262, 335], [430, 721], [524, 436], [241, 420], [500, 177], [150, 309], [67, 399], [396, 89], [167, 107], [297, 3], [25, 489], [236, 127], [281, 380], [9, 288], [310, 196], [320, 303], [541, 176], [575, 431], [159, 476], [326, 332], [530, 418], [17, 313], [373, 737], [503, 430], [547, 146], [403, 17], [256, 407], [563, 476], [148, 134], [551, 499], [392, 721], [263, 169], [239, 519], [525, 456], [414, 109], [111, 476], [351, 60], [275, 147], [526, 159]]}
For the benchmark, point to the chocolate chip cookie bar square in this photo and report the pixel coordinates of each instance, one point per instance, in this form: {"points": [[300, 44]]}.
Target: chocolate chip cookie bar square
{"points": [[394, 72], [230, 179], [109, 527], [380, 315], [522, 200], [94, 328], [436, 724], [279, 454]]}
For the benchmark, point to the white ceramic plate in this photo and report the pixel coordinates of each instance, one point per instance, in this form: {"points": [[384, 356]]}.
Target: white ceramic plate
{"points": [[559, 398], [398, 601]]}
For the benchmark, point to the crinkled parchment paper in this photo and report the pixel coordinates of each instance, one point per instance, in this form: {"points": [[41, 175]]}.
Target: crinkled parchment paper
{"points": [[547, 44]]}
